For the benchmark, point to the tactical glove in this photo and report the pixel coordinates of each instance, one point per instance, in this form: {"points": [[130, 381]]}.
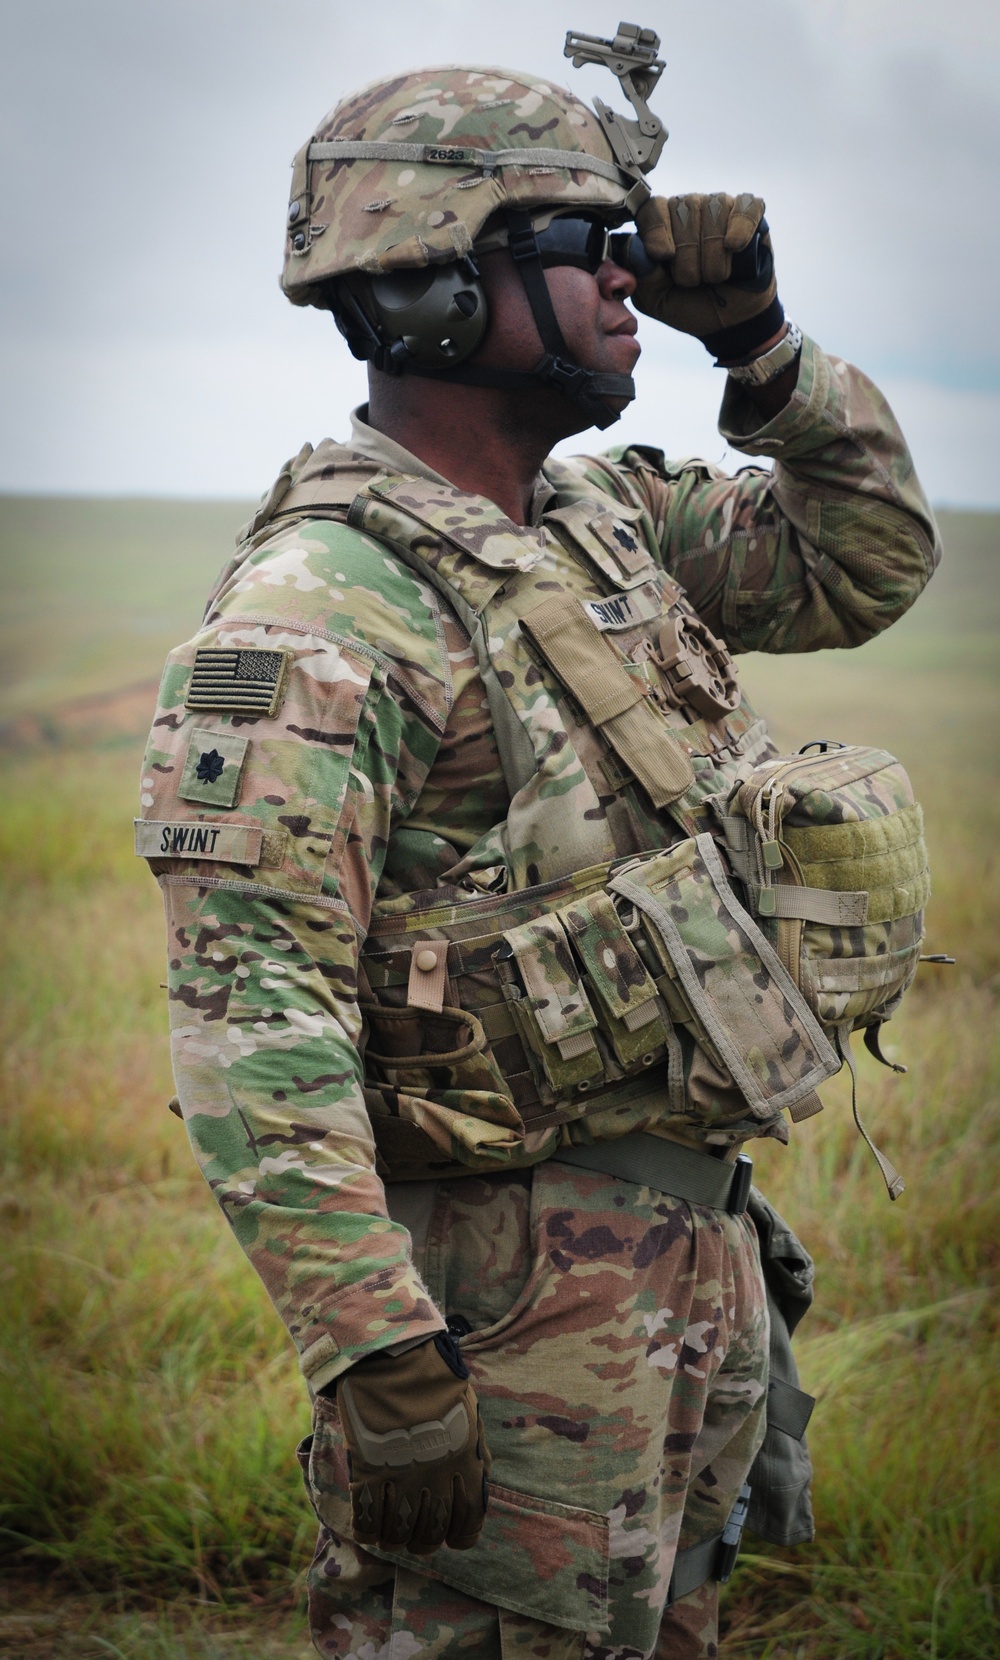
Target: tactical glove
{"points": [[419, 1461], [711, 278]]}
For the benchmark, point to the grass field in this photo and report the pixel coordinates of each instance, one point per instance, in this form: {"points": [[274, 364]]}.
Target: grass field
{"points": [[151, 1505]]}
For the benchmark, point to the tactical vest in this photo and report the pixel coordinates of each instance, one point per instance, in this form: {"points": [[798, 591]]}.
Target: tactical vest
{"points": [[669, 908]]}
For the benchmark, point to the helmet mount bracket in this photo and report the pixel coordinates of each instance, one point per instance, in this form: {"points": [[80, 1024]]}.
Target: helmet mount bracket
{"points": [[632, 57]]}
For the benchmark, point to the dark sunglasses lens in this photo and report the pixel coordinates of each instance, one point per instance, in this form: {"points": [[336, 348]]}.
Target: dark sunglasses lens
{"points": [[582, 242]]}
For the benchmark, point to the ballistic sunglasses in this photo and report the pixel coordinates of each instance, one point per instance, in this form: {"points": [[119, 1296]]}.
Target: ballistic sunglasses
{"points": [[578, 239]]}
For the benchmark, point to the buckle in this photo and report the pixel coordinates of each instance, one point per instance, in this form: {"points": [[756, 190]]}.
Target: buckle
{"points": [[739, 1187], [555, 372], [523, 243], [732, 1533]]}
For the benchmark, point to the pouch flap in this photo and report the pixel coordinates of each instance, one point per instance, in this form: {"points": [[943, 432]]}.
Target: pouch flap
{"points": [[552, 981], [594, 672], [754, 1014], [614, 966]]}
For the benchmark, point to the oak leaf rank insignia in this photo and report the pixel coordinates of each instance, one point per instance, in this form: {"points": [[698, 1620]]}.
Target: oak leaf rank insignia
{"points": [[213, 768], [210, 767]]}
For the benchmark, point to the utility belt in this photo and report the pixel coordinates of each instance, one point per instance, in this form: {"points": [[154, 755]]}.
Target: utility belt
{"points": [[491, 1018], [652, 1161]]}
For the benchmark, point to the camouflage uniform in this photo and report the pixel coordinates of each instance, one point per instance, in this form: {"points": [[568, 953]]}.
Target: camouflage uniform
{"points": [[618, 1337]]}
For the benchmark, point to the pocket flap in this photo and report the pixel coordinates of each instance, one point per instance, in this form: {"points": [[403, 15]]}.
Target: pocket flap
{"points": [[753, 1012], [552, 981], [614, 966], [534, 1556]]}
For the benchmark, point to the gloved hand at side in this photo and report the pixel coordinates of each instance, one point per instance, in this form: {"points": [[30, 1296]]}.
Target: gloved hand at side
{"points": [[419, 1461], [709, 281]]}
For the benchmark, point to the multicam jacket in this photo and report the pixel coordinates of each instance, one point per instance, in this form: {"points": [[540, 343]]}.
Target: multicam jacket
{"points": [[325, 773]]}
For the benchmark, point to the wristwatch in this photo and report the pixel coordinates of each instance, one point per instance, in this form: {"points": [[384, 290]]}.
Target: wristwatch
{"points": [[769, 364]]}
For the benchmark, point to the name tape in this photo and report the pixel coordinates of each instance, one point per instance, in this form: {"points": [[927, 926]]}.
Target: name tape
{"points": [[227, 844], [622, 610]]}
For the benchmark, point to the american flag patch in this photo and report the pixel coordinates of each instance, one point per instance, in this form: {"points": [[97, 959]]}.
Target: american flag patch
{"points": [[237, 682]]}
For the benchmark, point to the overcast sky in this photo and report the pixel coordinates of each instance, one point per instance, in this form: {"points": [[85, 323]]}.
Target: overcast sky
{"points": [[147, 348]]}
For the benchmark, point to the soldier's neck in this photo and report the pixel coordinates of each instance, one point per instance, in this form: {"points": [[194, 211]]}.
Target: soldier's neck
{"points": [[486, 442]]}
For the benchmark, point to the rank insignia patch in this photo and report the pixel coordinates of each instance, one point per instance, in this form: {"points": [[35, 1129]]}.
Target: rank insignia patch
{"points": [[237, 682], [213, 768]]}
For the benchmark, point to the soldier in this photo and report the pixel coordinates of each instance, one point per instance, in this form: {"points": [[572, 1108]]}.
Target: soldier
{"points": [[449, 700]]}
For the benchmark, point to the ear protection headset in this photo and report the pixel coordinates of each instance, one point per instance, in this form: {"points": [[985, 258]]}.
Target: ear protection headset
{"points": [[429, 322]]}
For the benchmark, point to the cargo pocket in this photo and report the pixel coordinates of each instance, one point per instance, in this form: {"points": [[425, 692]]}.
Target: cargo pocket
{"points": [[544, 990], [755, 1019], [534, 1556]]}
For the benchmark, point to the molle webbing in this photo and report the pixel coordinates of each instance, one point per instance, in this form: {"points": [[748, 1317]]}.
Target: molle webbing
{"points": [[594, 674]]}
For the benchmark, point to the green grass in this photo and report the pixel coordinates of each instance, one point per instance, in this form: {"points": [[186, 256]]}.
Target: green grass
{"points": [[150, 1497], [96, 592]]}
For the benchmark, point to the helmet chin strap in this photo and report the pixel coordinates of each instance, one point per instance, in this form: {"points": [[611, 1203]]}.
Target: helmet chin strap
{"points": [[585, 387]]}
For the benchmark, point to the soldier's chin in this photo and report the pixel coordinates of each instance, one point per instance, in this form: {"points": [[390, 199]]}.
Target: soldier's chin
{"points": [[625, 354]]}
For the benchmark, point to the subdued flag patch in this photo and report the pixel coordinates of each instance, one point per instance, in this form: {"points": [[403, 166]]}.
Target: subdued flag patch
{"points": [[237, 681]]}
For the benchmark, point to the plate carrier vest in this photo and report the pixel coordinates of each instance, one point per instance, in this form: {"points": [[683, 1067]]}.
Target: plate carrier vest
{"points": [[670, 909]]}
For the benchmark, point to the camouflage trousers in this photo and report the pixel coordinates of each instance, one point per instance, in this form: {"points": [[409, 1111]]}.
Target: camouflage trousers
{"points": [[618, 1345]]}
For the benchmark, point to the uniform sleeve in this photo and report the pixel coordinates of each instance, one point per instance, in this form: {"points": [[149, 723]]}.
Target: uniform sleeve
{"points": [[828, 549], [264, 941]]}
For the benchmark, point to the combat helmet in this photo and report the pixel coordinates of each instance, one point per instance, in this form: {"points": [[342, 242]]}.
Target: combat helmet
{"points": [[402, 184]]}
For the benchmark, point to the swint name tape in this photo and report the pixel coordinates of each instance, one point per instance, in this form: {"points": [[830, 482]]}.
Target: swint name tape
{"points": [[228, 844]]}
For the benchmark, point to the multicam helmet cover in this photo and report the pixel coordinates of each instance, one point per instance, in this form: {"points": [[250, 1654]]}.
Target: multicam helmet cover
{"points": [[406, 172]]}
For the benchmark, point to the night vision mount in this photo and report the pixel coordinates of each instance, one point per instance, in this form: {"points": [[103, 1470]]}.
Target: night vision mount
{"points": [[632, 57]]}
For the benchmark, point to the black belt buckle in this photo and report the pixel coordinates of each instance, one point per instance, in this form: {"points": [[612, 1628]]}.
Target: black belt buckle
{"points": [[739, 1187]]}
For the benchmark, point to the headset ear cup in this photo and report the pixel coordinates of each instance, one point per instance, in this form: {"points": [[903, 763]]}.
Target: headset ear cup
{"points": [[439, 313]]}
